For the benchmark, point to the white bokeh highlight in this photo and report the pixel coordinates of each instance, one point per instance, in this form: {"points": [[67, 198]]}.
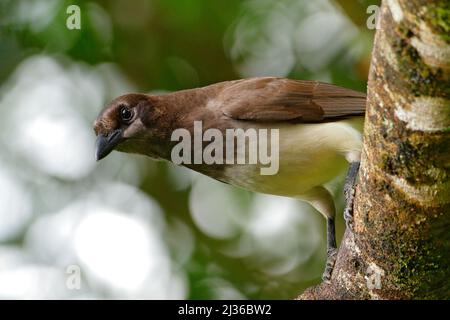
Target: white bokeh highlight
{"points": [[15, 205]]}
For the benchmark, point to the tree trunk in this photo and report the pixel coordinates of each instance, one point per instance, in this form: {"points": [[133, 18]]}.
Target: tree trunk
{"points": [[400, 248]]}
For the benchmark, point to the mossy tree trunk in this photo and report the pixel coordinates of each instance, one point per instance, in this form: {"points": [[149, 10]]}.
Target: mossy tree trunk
{"points": [[401, 245]]}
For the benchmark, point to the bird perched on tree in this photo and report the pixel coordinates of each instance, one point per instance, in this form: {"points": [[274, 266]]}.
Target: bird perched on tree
{"points": [[318, 136]]}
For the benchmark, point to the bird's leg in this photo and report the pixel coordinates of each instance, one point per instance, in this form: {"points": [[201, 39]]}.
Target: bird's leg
{"points": [[322, 200], [349, 192], [331, 250]]}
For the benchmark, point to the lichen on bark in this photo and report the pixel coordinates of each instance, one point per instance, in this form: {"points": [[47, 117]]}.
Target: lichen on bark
{"points": [[402, 204]]}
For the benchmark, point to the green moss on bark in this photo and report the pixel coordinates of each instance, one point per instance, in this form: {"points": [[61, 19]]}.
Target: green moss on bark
{"points": [[438, 18]]}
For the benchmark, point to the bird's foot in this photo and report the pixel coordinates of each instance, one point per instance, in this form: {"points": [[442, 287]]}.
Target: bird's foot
{"points": [[348, 211], [349, 192], [331, 260]]}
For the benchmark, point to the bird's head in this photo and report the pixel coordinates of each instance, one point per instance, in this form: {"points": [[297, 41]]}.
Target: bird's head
{"points": [[120, 123]]}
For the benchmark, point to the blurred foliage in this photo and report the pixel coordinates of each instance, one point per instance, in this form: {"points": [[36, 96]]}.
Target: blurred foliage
{"points": [[166, 45]]}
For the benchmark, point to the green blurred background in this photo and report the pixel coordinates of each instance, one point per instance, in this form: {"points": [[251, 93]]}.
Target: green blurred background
{"points": [[136, 228]]}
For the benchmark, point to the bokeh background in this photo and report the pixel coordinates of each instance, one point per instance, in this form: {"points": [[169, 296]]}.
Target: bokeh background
{"points": [[134, 227]]}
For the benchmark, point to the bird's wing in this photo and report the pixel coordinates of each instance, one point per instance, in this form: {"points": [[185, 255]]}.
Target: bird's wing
{"points": [[278, 99]]}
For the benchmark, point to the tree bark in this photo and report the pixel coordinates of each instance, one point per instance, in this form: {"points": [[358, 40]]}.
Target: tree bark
{"points": [[400, 248]]}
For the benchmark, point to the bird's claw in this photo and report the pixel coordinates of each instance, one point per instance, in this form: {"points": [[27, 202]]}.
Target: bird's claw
{"points": [[331, 260], [348, 217], [348, 211], [349, 192]]}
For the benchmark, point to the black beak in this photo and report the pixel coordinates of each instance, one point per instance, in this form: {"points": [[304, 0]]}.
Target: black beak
{"points": [[106, 144]]}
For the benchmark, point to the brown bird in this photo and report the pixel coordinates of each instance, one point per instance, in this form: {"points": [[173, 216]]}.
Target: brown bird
{"points": [[307, 133]]}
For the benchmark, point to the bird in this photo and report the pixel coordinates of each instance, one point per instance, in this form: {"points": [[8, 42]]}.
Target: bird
{"points": [[318, 125]]}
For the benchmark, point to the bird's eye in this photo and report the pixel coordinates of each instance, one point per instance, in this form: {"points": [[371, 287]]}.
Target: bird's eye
{"points": [[126, 114]]}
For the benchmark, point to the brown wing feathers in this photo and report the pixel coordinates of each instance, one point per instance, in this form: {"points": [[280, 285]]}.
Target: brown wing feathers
{"points": [[339, 102], [277, 99]]}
